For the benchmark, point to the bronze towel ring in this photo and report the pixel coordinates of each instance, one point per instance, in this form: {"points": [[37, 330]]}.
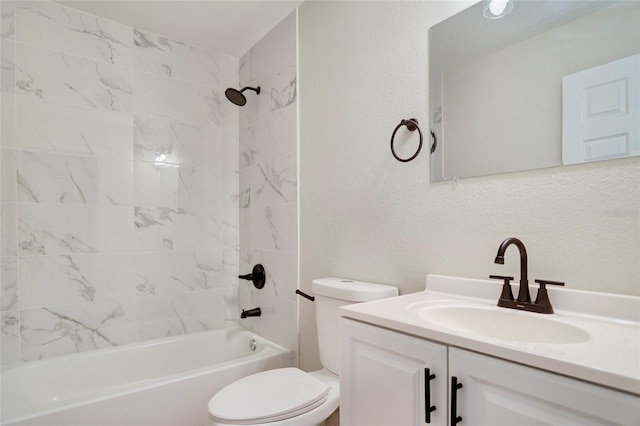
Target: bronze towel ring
{"points": [[412, 124]]}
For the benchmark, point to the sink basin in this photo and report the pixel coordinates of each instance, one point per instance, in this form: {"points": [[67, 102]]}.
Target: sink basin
{"points": [[501, 323]]}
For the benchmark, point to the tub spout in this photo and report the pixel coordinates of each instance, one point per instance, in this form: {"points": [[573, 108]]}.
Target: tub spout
{"points": [[255, 312]]}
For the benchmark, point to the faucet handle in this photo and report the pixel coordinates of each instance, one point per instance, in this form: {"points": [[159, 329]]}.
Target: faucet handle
{"points": [[542, 299], [501, 277], [506, 286], [545, 282]]}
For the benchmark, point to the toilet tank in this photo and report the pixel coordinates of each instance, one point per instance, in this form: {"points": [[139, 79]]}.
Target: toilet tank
{"points": [[331, 293]]}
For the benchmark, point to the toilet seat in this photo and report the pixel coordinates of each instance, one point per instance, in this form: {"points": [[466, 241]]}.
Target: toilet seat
{"points": [[269, 396]]}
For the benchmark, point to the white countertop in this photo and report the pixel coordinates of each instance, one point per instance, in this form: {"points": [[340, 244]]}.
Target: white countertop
{"points": [[610, 357]]}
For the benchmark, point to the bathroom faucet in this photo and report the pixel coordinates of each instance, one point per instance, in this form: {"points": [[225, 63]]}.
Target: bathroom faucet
{"points": [[523, 292], [542, 304]]}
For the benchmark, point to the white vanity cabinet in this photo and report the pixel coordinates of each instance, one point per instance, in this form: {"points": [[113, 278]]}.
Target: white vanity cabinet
{"points": [[385, 378], [383, 375], [498, 392]]}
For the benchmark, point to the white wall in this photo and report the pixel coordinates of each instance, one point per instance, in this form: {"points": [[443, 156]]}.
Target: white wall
{"points": [[364, 215]]}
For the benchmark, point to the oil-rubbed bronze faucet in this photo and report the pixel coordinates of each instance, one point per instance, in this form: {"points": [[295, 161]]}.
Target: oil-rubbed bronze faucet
{"points": [[255, 312], [523, 293], [542, 304]]}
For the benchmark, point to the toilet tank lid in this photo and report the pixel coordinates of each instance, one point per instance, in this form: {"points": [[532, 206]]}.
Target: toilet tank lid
{"points": [[351, 290]]}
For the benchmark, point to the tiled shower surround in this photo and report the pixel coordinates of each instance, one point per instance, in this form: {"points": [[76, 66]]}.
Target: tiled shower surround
{"points": [[268, 183], [120, 184]]}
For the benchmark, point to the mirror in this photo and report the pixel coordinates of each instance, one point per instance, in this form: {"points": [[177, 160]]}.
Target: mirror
{"points": [[550, 84]]}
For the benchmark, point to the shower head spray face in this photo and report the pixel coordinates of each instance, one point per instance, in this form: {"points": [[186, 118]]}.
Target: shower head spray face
{"points": [[236, 96]]}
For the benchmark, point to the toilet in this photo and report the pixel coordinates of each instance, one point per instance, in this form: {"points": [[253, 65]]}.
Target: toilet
{"points": [[290, 396]]}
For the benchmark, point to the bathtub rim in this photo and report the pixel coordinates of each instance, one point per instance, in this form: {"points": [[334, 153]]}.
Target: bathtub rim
{"points": [[144, 343], [269, 349]]}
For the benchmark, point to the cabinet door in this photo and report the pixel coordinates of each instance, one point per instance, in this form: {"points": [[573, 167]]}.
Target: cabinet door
{"points": [[496, 392], [384, 378]]}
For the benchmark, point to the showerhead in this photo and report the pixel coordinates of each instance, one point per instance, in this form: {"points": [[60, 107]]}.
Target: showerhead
{"points": [[236, 96]]}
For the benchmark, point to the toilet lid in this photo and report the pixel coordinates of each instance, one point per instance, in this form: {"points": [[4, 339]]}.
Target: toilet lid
{"points": [[268, 396]]}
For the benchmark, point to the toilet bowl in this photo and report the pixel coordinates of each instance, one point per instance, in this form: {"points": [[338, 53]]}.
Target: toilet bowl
{"points": [[290, 396]]}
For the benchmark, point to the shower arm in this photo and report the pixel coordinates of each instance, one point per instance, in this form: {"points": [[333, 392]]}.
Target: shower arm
{"points": [[255, 89]]}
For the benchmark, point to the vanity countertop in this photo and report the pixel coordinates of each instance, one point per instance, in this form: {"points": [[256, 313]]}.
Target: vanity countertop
{"points": [[609, 355]]}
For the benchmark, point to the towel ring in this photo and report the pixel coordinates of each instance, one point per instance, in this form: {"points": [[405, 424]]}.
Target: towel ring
{"points": [[435, 141], [412, 124]]}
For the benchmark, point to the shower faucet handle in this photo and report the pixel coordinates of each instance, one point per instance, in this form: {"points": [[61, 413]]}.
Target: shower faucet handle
{"points": [[258, 276]]}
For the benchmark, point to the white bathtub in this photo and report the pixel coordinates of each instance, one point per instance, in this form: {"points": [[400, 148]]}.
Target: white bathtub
{"points": [[162, 382]]}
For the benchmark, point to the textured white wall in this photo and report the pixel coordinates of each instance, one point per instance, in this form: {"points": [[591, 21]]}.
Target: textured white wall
{"points": [[362, 68]]}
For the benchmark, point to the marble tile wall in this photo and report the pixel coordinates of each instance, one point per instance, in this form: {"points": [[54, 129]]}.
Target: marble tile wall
{"points": [[268, 183], [120, 184]]}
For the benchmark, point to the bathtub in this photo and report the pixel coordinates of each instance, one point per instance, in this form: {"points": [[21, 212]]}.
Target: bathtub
{"points": [[161, 382]]}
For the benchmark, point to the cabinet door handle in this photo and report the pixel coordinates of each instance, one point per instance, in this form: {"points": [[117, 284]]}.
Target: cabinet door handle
{"points": [[455, 418], [428, 408]]}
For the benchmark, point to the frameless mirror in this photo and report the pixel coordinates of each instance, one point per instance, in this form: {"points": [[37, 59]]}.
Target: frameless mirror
{"points": [[552, 83]]}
